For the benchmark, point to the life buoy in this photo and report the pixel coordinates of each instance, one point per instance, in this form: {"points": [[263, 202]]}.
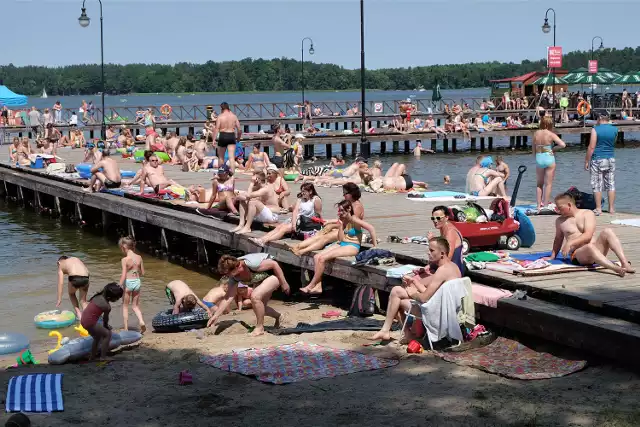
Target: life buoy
{"points": [[584, 108], [166, 110]]}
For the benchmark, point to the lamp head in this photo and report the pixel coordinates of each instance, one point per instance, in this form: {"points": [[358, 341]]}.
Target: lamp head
{"points": [[84, 20], [311, 50], [601, 47], [546, 27]]}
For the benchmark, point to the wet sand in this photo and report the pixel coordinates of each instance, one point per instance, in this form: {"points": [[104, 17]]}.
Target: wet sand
{"points": [[140, 387]]}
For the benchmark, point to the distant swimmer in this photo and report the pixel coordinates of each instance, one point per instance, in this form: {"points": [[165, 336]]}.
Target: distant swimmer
{"points": [[228, 132], [78, 282]]}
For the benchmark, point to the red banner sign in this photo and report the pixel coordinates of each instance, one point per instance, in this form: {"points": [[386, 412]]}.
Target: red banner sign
{"points": [[554, 57], [593, 66]]}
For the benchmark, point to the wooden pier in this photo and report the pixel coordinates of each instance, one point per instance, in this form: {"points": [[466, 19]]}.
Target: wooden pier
{"points": [[595, 311]]}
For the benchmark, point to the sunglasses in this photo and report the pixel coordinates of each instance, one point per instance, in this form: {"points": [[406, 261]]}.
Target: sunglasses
{"points": [[437, 218], [153, 161]]}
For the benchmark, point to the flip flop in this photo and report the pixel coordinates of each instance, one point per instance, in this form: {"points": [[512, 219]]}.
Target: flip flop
{"points": [[331, 313]]}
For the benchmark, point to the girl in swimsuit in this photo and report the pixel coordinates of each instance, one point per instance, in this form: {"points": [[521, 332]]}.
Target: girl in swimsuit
{"points": [[258, 160], [544, 152], [223, 188], [280, 186], [132, 270], [349, 242], [13, 150], [99, 305]]}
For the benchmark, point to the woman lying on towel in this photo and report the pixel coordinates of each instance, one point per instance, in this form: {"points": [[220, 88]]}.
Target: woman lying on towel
{"points": [[396, 178]]}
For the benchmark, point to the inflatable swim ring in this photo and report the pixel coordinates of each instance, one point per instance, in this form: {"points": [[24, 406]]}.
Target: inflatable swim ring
{"points": [[166, 321], [162, 156], [127, 174], [290, 176], [84, 169], [54, 319], [11, 342], [166, 110], [79, 348], [584, 108]]}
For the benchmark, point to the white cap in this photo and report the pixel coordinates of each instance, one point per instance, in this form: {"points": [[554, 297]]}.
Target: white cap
{"points": [[299, 136]]}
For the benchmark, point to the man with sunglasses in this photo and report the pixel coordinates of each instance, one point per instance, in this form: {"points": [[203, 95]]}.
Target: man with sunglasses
{"points": [[440, 218], [153, 174]]}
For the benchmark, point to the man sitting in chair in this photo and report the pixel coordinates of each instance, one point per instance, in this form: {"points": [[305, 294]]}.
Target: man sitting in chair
{"points": [[420, 287]]}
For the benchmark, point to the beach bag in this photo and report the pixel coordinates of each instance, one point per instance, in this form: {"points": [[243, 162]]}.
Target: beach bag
{"points": [[364, 302], [309, 224], [500, 208], [583, 200]]}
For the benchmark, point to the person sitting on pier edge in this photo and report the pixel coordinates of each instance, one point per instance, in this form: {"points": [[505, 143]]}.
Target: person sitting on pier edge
{"points": [[259, 203], [440, 217], [329, 232], [575, 238], [153, 174], [229, 131], [253, 271], [104, 174], [182, 298], [349, 244], [482, 181], [280, 186], [420, 287], [307, 208]]}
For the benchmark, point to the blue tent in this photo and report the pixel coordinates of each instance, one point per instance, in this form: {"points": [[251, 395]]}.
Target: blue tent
{"points": [[10, 99]]}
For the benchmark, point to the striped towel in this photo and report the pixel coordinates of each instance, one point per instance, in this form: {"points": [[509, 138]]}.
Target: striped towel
{"points": [[35, 393]]}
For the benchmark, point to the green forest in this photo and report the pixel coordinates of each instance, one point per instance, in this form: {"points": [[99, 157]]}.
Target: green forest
{"points": [[282, 74]]}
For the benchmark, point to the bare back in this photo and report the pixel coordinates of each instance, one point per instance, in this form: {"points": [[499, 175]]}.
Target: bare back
{"points": [[111, 169], [73, 267], [227, 122], [543, 140]]}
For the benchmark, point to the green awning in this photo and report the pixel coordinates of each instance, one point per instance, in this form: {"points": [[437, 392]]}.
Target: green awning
{"points": [[550, 80], [631, 78], [589, 79]]}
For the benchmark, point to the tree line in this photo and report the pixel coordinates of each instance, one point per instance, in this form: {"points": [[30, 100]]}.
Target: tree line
{"points": [[281, 74]]}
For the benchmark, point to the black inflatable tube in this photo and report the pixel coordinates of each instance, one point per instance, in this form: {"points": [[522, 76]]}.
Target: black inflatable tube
{"points": [[166, 321]]}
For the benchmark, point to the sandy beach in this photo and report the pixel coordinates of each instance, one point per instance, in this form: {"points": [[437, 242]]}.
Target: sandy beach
{"points": [[140, 387]]}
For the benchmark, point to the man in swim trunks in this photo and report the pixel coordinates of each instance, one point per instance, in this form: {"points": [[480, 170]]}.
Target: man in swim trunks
{"points": [[108, 177], [280, 146], [575, 238], [183, 298], [420, 287], [259, 203], [482, 181], [228, 131], [78, 281], [153, 174]]}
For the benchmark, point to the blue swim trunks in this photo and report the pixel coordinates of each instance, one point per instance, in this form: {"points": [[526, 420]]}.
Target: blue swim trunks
{"points": [[208, 304]]}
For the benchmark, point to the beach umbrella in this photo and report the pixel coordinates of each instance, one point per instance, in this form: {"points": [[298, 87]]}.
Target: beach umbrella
{"points": [[630, 78], [436, 96], [589, 79], [550, 80], [611, 75], [11, 99], [574, 74]]}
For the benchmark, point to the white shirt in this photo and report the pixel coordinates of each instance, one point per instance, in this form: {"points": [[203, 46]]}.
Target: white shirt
{"points": [[73, 120]]}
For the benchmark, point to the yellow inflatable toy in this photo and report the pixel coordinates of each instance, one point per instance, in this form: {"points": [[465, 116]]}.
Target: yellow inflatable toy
{"points": [[59, 336], [82, 331]]}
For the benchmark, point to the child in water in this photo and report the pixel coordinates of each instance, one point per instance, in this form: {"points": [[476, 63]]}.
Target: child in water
{"points": [[132, 270], [99, 305]]}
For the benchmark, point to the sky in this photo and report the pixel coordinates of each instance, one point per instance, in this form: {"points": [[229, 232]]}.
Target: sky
{"points": [[398, 33]]}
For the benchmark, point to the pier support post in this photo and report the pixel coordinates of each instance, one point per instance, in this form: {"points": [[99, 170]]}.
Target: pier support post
{"points": [[36, 200], [383, 146], [203, 256], [482, 147], [164, 243], [192, 130], [620, 138], [327, 148], [343, 150], [91, 134], [312, 149], [445, 145], [266, 150], [354, 149], [131, 228], [20, 194], [79, 212], [474, 144], [396, 146], [365, 149], [454, 145], [3, 189], [518, 142], [106, 221], [337, 126], [490, 143], [407, 146], [434, 145], [56, 201], [512, 142], [525, 140], [245, 130]]}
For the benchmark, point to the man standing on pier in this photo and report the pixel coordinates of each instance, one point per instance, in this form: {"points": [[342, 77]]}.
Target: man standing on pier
{"points": [[228, 132], [280, 146]]}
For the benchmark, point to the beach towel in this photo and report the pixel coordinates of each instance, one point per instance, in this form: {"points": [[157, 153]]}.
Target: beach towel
{"points": [[511, 359], [295, 362], [399, 272], [440, 313], [35, 393], [634, 222], [346, 324], [488, 296]]}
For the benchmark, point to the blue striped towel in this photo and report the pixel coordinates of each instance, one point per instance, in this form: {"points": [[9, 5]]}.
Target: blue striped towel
{"points": [[35, 393]]}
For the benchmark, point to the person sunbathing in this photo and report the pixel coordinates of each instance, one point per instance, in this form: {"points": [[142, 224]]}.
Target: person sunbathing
{"points": [[482, 181], [279, 185], [575, 238], [259, 203], [420, 287], [153, 174], [396, 178], [223, 191], [430, 126]]}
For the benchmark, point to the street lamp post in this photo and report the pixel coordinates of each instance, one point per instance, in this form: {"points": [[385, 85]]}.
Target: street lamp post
{"points": [[593, 100], [365, 149], [545, 29], [311, 51], [84, 21]]}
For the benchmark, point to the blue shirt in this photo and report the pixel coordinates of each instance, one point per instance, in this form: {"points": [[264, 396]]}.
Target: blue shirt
{"points": [[605, 143]]}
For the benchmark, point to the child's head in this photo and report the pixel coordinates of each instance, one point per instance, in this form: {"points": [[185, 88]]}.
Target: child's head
{"points": [[377, 164], [447, 179], [243, 290], [127, 243], [499, 160], [189, 302], [112, 292]]}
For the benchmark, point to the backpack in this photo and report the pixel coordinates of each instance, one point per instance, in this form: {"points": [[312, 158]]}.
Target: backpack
{"points": [[500, 208], [583, 200], [364, 302]]}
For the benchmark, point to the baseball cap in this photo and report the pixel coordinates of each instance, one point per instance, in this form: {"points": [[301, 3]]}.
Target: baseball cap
{"points": [[224, 169]]}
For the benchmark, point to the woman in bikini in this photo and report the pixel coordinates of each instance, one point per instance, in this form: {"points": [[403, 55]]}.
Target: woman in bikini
{"points": [[280, 186], [329, 233], [308, 206], [223, 189], [258, 160], [16, 152], [545, 144], [396, 178], [349, 243]]}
